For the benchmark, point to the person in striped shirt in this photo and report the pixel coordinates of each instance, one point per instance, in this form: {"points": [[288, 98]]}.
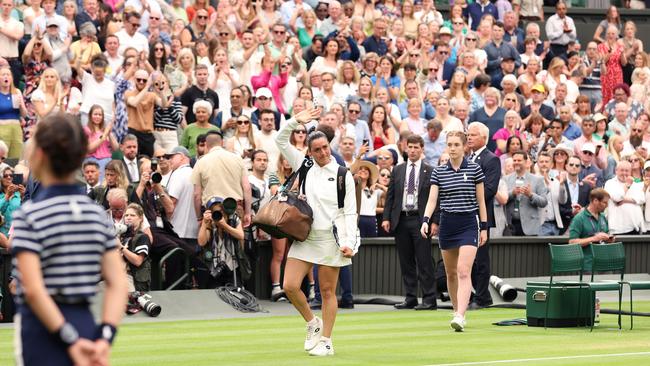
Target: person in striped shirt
{"points": [[459, 185], [63, 244]]}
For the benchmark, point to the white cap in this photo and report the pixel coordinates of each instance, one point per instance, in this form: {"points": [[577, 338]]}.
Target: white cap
{"points": [[263, 92], [588, 146]]}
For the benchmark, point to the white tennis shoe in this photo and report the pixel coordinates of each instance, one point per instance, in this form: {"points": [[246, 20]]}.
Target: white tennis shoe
{"points": [[458, 323], [323, 348], [314, 333]]}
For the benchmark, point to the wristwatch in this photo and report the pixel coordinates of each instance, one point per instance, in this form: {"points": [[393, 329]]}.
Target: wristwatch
{"points": [[68, 334]]}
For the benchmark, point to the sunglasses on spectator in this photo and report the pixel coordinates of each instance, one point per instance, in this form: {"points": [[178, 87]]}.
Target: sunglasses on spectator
{"points": [[7, 176], [141, 80], [573, 165], [224, 34], [202, 17], [635, 160], [433, 69], [354, 111], [286, 64], [299, 132], [159, 157], [154, 18], [385, 175], [243, 122], [587, 153], [637, 130], [511, 100], [444, 52], [38, 44], [279, 32], [262, 98], [158, 49], [384, 158], [414, 55], [471, 39]]}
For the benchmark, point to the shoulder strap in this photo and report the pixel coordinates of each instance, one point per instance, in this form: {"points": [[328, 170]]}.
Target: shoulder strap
{"points": [[300, 174], [340, 185]]}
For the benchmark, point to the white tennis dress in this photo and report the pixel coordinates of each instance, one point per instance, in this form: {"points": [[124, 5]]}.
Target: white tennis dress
{"points": [[320, 191]]}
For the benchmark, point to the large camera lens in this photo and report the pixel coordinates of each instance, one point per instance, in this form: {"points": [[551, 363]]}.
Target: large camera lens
{"points": [[217, 215], [154, 164], [156, 177], [229, 205]]}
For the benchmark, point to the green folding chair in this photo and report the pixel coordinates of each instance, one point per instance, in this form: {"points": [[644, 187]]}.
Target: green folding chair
{"points": [[565, 258], [607, 258]]}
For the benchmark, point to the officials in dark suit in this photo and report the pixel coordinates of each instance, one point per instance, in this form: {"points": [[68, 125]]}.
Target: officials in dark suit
{"points": [[578, 191], [129, 148], [477, 137], [406, 200]]}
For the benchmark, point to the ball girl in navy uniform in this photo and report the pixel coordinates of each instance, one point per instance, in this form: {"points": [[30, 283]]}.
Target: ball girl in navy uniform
{"points": [[459, 185], [63, 245]]}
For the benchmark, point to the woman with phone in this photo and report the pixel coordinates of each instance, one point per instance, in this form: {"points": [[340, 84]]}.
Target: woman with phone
{"points": [[10, 198], [463, 220], [54, 324]]}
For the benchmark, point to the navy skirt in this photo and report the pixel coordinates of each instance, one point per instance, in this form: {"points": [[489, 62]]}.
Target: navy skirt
{"points": [[38, 347], [458, 229]]}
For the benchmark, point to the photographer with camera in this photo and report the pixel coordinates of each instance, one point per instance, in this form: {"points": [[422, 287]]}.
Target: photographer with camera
{"points": [[156, 204], [135, 249], [220, 237]]}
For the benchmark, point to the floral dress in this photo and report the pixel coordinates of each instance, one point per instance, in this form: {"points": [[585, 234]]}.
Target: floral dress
{"points": [[614, 74], [33, 71]]}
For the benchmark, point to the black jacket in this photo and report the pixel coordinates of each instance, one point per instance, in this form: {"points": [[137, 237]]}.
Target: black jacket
{"points": [[393, 206]]}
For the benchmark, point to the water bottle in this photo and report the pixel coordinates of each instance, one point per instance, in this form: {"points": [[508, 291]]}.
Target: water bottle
{"points": [[596, 312]]}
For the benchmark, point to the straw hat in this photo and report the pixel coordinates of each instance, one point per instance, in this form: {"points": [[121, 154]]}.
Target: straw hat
{"points": [[372, 168]]}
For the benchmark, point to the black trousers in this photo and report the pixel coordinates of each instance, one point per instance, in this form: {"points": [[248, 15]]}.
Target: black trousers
{"points": [[481, 275], [416, 262], [145, 142]]}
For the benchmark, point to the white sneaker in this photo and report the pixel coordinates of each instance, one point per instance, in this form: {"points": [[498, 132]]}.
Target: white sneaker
{"points": [[277, 294], [323, 348], [458, 323], [314, 333]]}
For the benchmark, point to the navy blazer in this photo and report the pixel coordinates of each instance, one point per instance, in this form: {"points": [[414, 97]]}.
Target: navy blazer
{"points": [[491, 166], [395, 193]]}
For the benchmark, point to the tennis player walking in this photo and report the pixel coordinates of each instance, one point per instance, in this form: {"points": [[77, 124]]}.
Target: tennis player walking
{"points": [[459, 184], [63, 244], [322, 246]]}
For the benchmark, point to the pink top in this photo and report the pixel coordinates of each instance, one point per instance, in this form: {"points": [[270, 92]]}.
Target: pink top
{"points": [[104, 150], [502, 134], [274, 83]]}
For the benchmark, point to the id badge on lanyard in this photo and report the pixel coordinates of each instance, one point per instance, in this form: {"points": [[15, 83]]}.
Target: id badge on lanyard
{"points": [[410, 199]]}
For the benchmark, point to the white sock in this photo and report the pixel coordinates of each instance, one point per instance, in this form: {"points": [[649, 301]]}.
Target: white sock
{"points": [[327, 340], [314, 321]]}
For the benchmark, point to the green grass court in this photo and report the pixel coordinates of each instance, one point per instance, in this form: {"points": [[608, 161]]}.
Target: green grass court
{"points": [[378, 338]]}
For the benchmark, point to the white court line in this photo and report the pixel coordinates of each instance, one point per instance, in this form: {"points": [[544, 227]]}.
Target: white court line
{"points": [[544, 359]]}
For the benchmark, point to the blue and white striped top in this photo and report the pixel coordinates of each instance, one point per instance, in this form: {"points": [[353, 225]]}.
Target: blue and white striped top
{"points": [[70, 233], [457, 188]]}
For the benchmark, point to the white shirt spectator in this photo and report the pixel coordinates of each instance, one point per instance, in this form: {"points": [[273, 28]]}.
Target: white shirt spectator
{"points": [[180, 187], [625, 217], [138, 41]]}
